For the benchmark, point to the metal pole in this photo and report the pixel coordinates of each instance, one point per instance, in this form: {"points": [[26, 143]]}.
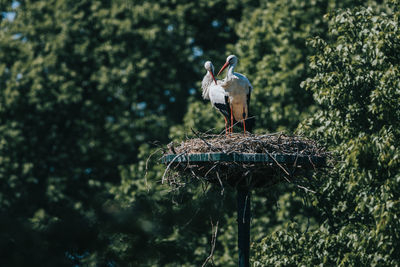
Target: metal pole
{"points": [[243, 220]]}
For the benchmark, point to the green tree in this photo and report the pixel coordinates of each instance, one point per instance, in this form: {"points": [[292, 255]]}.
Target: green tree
{"points": [[356, 85], [274, 55], [83, 86]]}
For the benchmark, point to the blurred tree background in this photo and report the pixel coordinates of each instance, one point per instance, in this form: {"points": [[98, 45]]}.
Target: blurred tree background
{"points": [[90, 89]]}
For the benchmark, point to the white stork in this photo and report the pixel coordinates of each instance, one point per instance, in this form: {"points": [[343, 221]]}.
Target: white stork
{"points": [[213, 91], [238, 88]]}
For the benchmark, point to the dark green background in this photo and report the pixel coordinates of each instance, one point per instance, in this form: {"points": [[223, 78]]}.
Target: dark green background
{"points": [[88, 87]]}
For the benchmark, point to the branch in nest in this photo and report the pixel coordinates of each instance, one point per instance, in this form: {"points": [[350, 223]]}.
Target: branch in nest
{"points": [[213, 240], [169, 165], [312, 163], [305, 188], [202, 139], [220, 182], [215, 165], [277, 163]]}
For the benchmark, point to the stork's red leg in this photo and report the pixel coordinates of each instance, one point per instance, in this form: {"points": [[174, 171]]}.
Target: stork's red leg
{"points": [[231, 129], [244, 120], [226, 126]]}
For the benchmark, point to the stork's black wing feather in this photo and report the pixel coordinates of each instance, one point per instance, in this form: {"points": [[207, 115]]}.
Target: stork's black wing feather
{"points": [[225, 108]]}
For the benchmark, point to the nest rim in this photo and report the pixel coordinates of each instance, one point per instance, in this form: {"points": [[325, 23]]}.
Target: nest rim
{"points": [[235, 159]]}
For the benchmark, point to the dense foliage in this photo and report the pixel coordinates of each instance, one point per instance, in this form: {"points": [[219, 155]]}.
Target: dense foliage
{"points": [[83, 86], [357, 86], [272, 47], [88, 87]]}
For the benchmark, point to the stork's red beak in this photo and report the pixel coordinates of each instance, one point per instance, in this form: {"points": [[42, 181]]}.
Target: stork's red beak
{"points": [[223, 67], [212, 75]]}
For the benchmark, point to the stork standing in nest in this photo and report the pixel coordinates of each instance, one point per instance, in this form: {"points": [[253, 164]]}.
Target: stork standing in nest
{"points": [[239, 89], [217, 95]]}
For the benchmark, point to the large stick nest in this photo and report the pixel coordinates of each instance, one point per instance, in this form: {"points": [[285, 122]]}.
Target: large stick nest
{"points": [[244, 173]]}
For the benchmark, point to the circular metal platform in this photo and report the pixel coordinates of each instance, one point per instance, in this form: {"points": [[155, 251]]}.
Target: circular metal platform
{"points": [[243, 171], [298, 160]]}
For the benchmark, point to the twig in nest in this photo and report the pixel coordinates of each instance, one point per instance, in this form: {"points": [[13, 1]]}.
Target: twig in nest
{"points": [[205, 175], [169, 165], [312, 163], [171, 147], [305, 188], [277, 163], [213, 241], [220, 182], [194, 175], [297, 185], [204, 186], [295, 161], [202, 139]]}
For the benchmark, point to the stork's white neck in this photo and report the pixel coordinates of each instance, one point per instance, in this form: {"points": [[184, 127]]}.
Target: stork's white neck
{"points": [[205, 85], [231, 69]]}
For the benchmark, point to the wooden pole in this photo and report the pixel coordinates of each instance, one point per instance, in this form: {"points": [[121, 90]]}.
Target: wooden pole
{"points": [[243, 221]]}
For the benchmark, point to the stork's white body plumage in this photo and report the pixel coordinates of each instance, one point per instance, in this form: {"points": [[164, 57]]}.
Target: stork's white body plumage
{"points": [[217, 94], [238, 88], [213, 91]]}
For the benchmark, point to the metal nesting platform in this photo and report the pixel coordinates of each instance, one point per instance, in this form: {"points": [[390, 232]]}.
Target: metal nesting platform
{"points": [[304, 161], [243, 162], [244, 171]]}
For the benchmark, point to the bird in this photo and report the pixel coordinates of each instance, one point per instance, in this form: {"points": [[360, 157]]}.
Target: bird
{"points": [[238, 89], [212, 90]]}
